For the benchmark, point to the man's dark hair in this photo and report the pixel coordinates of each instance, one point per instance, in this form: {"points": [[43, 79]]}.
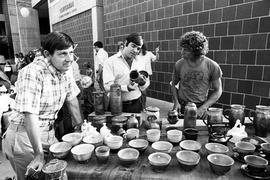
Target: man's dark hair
{"points": [[57, 41], [135, 38], [98, 44], [195, 41]]}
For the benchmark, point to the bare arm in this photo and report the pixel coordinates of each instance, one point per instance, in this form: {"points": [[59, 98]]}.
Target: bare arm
{"points": [[33, 132], [217, 86], [74, 109], [176, 105]]}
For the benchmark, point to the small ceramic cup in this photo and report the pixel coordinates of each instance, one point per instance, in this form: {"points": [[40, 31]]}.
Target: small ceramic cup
{"points": [[153, 135], [244, 148], [133, 133], [102, 153]]}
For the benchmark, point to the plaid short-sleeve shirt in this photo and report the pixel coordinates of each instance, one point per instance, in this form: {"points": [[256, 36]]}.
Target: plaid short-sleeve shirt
{"points": [[42, 90]]}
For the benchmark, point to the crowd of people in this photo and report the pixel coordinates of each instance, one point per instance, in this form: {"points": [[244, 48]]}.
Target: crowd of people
{"points": [[46, 89]]}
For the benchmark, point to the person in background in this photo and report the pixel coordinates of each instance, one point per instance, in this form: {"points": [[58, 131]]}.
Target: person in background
{"points": [[120, 46], [42, 88], [21, 61], [195, 74], [8, 69], [117, 69], [146, 58], [100, 57], [87, 91], [143, 63], [16, 59]]}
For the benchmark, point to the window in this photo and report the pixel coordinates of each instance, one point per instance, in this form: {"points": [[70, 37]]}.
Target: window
{"points": [[2, 28], [1, 7]]}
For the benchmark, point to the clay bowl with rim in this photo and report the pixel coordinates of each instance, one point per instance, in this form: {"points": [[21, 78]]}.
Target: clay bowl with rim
{"points": [[159, 161], [139, 144], [190, 145], [220, 163], [188, 160]]}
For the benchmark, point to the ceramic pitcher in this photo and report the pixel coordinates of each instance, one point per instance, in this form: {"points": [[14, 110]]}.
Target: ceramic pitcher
{"points": [[237, 111]]}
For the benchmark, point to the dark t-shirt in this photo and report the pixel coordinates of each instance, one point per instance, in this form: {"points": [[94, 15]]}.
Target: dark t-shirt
{"points": [[194, 82]]}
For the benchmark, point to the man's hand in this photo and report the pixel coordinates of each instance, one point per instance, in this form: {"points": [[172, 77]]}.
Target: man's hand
{"points": [[132, 86], [201, 113], [35, 166], [177, 107]]}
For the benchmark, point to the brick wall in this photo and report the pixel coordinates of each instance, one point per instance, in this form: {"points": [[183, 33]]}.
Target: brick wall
{"points": [[238, 33], [79, 27]]}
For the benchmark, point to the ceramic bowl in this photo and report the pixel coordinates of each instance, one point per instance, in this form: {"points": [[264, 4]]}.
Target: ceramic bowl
{"points": [[191, 133], [256, 163], [188, 160], [266, 149], [216, 148], [72, 138], [159, 161], [60, 149], [82, 152], [162, 146], [133, 133], [139, 144], [174, 136], [244, 148], [102, 153], [190, 145], [220, 163], [153, 135], [114, 142], [95, 140], [128, 156]]}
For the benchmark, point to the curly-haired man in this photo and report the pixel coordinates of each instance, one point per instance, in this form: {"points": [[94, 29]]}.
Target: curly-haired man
{"points": [[194, 74]]}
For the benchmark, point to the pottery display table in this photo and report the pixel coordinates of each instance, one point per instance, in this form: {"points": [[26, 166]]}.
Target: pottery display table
{"points": [[142, 170]]}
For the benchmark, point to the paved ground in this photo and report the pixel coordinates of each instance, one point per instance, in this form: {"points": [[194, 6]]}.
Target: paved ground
{"points": [[7, 171]]}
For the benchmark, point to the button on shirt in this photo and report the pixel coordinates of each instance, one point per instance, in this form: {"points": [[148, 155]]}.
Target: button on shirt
{"points": [[42, 90], [116, 69]]}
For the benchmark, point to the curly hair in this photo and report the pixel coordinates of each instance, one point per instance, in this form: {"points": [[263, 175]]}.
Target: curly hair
{"points": [[196, 42]]}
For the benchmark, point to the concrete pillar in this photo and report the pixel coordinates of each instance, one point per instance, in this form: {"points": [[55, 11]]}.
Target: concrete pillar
{"points": [[97, 21]]}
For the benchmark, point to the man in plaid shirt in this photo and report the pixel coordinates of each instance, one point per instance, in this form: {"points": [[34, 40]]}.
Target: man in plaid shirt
{"points": [[42, 88]]}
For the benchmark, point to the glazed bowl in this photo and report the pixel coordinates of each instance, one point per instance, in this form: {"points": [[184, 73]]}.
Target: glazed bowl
{"points": [[72, 138], [162, 146], [216, 148], [188, 160], [95, 140], [128, 156], [191, 133], [244, 148], [256, 163], [133, 133], [82, 152], [174, 136], [153, 135], [139, 144], [114, 142], [159, 161], [60, 149], [190, 145], [220, 163], [266, 149], [102, 153]]}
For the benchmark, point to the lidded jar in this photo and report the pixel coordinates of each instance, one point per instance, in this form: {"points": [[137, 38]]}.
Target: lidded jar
{"points": [[190, 115]]}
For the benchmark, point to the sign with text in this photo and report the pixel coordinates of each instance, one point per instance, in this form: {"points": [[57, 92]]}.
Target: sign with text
{"points": [[60, 10]]}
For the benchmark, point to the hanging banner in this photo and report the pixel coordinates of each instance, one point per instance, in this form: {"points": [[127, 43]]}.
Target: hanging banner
{"points": [[60, 10]]}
